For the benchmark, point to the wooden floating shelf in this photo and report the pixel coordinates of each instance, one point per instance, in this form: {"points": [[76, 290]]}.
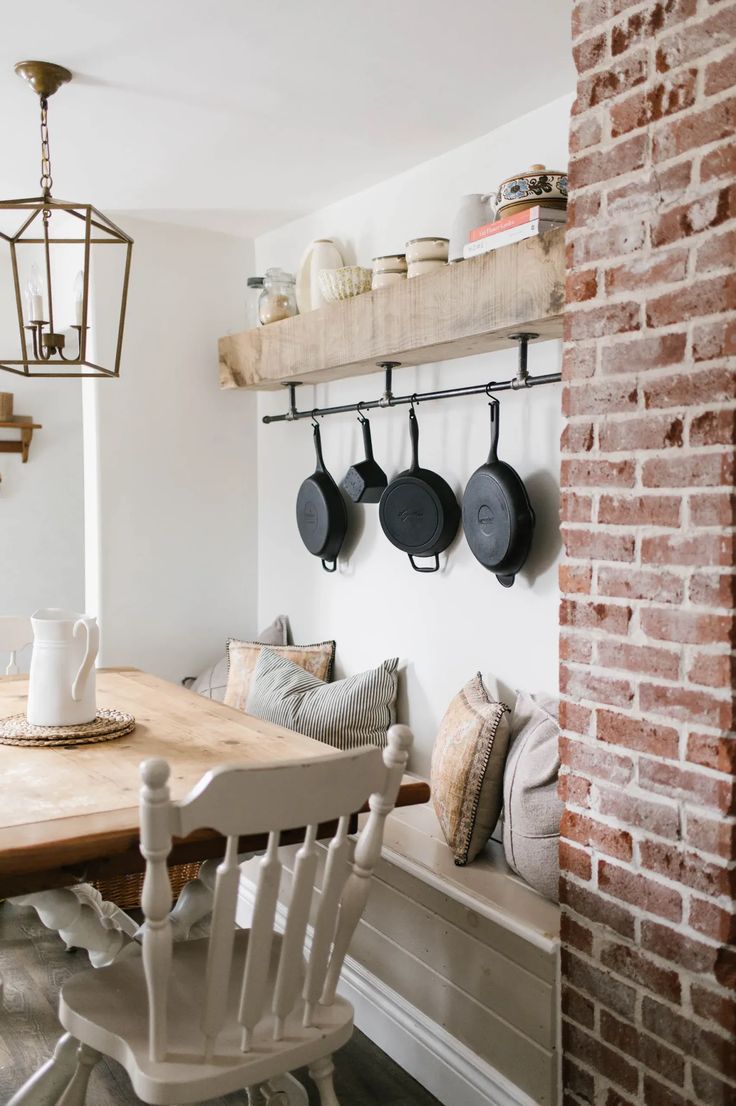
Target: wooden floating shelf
{"points": [[26, 425], [463, 309]]}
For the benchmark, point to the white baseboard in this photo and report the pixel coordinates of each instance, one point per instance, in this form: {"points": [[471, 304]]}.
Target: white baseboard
{"points": [[440, 1062]]}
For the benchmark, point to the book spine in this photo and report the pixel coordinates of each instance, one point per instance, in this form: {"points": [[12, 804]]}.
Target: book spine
{"points": [[514, 234], [521, 217]]}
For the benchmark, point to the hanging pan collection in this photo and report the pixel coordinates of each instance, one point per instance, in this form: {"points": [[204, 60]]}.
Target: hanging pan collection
{"points": [[418, 510]]}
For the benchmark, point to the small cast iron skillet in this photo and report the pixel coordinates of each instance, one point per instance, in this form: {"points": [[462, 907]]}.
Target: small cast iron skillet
{"points": [[498, 518], [364, 481], [418, 511], [321, 514]]}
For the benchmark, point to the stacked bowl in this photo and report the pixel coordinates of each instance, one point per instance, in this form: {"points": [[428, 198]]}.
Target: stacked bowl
{"points": [[388, 269], [424, 255]]}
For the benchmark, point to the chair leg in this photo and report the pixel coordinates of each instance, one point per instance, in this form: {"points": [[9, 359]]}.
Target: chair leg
{"points": [[321, 1072], [76, 1091], [44, 1086]]}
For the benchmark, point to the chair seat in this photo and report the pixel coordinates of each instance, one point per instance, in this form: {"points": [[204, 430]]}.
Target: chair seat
{"points": [[106, 1009]]}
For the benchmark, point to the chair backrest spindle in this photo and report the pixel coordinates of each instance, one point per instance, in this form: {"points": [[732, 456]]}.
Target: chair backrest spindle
{"points": [[336, 872], [220, 951], [156, 899], [288, 977], [258, 958]]}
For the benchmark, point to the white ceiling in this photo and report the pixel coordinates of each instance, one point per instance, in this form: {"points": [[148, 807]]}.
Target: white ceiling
{"points": [[261, 110]]}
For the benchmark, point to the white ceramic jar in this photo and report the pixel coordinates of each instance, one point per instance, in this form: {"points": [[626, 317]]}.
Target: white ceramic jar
{"points": [[474, 210], [320, 254], [427, 249], [419, 268]]}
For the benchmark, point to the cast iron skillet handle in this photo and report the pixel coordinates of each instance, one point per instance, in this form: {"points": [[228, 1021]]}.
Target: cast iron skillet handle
{"points": [[414, 433], [417, 567], [334, 565], [367, 443], [318, 448], [495, 409]]}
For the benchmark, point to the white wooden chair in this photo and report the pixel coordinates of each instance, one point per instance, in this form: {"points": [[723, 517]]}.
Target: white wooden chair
{"points": [[197, 1019], [15, 633]]}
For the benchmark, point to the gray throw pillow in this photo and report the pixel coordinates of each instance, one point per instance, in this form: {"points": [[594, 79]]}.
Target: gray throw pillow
{"points": [[212, 682], [347, 713], [532, 809]]}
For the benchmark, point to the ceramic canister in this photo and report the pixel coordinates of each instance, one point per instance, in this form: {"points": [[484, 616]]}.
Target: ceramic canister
{"points": [[474, 211]]}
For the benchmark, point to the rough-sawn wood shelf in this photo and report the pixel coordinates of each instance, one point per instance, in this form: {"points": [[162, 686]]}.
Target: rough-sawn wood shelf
{"points": [[471, 307]]}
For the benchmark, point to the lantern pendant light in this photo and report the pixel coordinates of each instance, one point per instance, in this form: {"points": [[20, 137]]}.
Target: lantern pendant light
{"points": [[68, 325]]}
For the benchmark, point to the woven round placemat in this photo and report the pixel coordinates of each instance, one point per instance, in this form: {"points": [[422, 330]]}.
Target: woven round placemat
{"points": [[108, 725]]}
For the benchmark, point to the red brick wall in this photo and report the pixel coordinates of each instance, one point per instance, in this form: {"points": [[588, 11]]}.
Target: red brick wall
{"points": [[647, 615]]}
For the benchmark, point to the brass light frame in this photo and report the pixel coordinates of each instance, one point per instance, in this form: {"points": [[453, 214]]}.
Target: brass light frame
{"points": [[42, 351]]}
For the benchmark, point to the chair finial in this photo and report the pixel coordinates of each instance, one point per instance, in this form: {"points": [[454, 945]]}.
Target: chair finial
{"points": [[155, 772]]}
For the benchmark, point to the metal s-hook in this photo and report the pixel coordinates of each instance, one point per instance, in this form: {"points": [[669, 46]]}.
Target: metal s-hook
{"points": [[361, 417]]}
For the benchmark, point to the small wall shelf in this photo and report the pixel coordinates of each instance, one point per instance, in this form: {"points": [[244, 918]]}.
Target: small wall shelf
{"points": [[26, 426], [471, 307]]}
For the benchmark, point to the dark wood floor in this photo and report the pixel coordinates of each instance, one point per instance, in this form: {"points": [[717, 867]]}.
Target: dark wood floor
{"points": [[34, 963]]}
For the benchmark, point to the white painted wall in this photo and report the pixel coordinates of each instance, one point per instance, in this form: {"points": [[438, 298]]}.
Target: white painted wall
{"points": [[446, 626], [171, 461]]}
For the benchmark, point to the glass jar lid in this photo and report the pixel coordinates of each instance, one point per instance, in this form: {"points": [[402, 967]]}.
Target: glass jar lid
{"points": [[279, 276]]}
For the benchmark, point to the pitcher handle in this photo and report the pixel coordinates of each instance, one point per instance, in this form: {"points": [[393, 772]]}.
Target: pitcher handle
{"points": [[93, 641]]}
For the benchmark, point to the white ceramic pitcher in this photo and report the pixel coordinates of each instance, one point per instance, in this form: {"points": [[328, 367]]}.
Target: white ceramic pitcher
{"points": [[61, 688]]}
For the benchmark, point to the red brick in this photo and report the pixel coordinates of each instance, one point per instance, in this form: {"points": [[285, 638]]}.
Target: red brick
{"points": [[598, 1056], [643, 272], [648, 22], [576, 1081], [575, 508], [598, 984], [695, 470], [714, 427], [576, 648], [717, 252], [585, 206], [585, 131], [598, 545], [711, 835], [642, 659], [675, 136], [690, 388], [683, 626], [611, 241], [635, 811], [657, 1094], [678, 948], [581, 286], [702, 549], [637, 354], [714, 339], [719, 75], [585, 684], [612, 318], [719, 163], [713, 509], [659, 586], [595, 762], [696, 41], [712, 1091], [639, 510], [711, 589], [592, 398], [587, 15], [686, 868], [642, 735], [594, 167], [714, 1007], [590, 52], [578, 362], [610, 617], [712, 751], [686, 705], [577, 1007], [650, 896], [713, 670], [712, 1049], [708, 296], [650, 190], [575, 718], [680, 782], [712, 920], [589, 473], [574, 934], [575, 862], [575, 578], [635, 966], [647, 432], [647, 106], [604, 839], [577, 437], [616, 78], [649, 1051], [694, 217], [573, 790], [601, 911]]}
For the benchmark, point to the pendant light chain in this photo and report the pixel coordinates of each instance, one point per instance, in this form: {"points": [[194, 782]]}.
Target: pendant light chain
{"points": [[46, 179]]}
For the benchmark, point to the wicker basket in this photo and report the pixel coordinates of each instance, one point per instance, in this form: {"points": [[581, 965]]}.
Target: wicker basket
{"points": [[125, 891]]}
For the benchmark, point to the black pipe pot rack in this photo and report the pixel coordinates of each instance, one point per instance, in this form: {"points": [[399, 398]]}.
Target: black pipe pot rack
{"points": [[388, 399]]}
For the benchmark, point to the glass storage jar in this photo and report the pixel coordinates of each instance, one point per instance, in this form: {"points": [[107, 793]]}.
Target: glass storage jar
{"points": [[255, 287], [278, 298]]}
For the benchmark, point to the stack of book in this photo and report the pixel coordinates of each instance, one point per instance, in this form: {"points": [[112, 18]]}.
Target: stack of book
{"points": [[513, 228]]}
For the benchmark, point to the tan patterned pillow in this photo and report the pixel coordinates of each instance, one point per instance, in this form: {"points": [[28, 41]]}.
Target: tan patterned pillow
{"points": [[243, 657], [467, 769]]}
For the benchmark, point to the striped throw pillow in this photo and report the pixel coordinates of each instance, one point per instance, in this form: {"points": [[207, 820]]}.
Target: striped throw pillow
{"points": [[347, 713]]}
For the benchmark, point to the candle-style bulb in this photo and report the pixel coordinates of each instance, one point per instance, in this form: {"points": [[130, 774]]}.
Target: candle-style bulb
{"points": [[34, 288], [79, 297]]}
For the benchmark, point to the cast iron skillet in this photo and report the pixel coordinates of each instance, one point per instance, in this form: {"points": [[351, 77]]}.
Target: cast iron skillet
{"points": [[321, 514], [418, 511], [497, 516]]}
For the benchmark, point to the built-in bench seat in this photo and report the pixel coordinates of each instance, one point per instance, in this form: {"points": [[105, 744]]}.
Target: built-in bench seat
{"points": [[454, 971]]}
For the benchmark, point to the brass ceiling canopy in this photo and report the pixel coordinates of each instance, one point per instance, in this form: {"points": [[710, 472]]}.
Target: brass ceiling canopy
{"points": [[50, 240], [44, 77]]}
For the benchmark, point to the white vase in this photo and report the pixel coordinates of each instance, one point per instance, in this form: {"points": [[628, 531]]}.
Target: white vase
{"points": [[474, 211], [320, 254], [61, 689]]}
